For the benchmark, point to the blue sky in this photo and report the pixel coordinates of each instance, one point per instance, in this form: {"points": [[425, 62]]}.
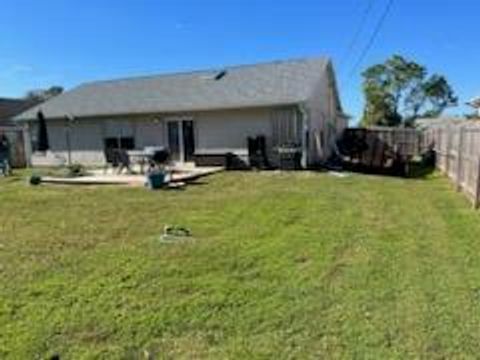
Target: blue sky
{"points": [[62, 42]]}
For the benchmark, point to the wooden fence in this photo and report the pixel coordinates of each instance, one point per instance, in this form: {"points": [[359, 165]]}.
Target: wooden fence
{"points": [[457, 149], [380, 148], [16, 140]]}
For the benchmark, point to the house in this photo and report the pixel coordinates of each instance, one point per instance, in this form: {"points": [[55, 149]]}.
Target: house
{"points": [[9, 108], [200, 114]]}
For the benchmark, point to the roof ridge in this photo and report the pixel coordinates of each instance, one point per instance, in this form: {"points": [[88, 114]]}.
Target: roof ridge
{"points": [[206, 70]]}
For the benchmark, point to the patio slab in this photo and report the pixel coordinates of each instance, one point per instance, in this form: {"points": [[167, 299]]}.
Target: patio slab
{"points": [[98, 177]]}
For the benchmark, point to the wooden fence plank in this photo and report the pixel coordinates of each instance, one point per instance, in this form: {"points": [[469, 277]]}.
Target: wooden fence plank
{"points": [[476, 201], [459, 159], [457, 149], [447, 151]]}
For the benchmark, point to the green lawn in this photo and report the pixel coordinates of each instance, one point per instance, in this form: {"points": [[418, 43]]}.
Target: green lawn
{"points": [[297, 265]]}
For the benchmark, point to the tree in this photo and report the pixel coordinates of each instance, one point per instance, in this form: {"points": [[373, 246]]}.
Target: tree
{"points": [[399, 91], [473, 115], [44, 94]]}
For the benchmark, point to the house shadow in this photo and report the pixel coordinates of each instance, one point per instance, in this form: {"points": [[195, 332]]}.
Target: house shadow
{"points": [[424, 167], [412, 170], [386, 152], [197, 183]]}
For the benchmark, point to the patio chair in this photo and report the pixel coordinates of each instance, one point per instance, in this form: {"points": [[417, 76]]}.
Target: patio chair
{"points": [[159, 158], [5, 168], [111, 159], [123, 161]]}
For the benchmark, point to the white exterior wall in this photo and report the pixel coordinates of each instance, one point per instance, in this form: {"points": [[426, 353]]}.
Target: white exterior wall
{"points": [[216, 132], [150, 133], [227, 131], [325, 122], [87, 137]]}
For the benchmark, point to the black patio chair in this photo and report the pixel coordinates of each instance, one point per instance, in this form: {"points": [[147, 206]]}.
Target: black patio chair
{"points": [[123, 161], [158, 158], [5, 168], [111, 159]]}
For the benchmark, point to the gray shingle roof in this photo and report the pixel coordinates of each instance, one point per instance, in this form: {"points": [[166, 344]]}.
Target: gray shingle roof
{"points": [[282, 82]]}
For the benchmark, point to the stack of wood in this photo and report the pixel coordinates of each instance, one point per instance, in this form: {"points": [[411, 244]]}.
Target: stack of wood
{"points": [[380, 148]]}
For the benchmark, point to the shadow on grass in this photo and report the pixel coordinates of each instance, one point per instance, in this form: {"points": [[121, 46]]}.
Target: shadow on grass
{"points": [[412, 170], [13, 178], [197, 183], [420, 171]]}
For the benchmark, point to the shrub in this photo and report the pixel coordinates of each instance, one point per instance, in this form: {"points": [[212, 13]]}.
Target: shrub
{"points": [[35, 180]]}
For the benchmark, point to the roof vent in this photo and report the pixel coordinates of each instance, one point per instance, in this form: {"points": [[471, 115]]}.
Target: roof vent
{"points": [[220, 75]]}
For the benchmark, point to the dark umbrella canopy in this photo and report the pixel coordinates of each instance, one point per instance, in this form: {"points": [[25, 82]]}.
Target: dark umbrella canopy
{"points": [[42, 133]]}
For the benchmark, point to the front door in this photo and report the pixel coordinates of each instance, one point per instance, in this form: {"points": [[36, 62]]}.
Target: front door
{"points": [[181, 140]]}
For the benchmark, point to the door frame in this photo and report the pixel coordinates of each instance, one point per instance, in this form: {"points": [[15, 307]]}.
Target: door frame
{"points": [[179, 120]]}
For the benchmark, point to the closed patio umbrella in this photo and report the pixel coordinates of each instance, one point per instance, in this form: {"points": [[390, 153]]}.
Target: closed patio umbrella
{"points": [[42, 132]]}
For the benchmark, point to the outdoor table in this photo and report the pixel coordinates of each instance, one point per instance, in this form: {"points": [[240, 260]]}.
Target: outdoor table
{"points": [[140, 157]]}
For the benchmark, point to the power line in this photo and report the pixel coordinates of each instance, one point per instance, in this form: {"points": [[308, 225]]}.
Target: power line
{"points": [[372, 39], [359, 29]]}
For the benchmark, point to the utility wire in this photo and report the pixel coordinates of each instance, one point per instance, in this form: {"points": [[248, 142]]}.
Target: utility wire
{"points": [[372, 39], [356, 36]]}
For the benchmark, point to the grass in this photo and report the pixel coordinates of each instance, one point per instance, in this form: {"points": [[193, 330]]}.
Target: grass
{"points": [[298, 265]]}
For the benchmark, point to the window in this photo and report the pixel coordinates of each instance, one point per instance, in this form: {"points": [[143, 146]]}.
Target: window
{"points": [[111, 143], [287, 127], [119, 134], [126, 143]]}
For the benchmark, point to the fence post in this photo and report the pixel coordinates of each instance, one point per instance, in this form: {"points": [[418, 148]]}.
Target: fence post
{"points": [[476, 198], [447, 149], [437, 136], [458, 180]]}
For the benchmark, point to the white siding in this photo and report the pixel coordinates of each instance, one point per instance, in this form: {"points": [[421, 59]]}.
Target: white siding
{"points": [[150, 133], [119, 128], [87, 137], [325, 122], [227, 131]]}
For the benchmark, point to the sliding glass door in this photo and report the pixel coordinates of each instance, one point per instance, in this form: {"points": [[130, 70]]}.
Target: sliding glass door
{"points": [[174, 140], [181, 140]]}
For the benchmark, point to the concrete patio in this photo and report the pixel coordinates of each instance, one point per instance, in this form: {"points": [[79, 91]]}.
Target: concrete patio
{"points": [[99, 177]]}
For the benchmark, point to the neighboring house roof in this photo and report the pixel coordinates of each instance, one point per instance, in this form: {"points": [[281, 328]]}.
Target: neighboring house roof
{"points": [[475, 102], [9, 108], [275, 83], [425, 123]]}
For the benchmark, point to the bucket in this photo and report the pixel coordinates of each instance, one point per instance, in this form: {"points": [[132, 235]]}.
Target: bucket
{"points": [[156, 180]]}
